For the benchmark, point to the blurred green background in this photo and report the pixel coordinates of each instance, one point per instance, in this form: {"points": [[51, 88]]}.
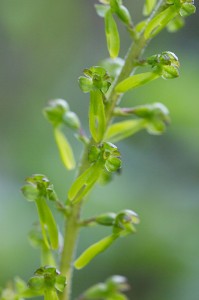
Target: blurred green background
{"points": [[45, 45]]}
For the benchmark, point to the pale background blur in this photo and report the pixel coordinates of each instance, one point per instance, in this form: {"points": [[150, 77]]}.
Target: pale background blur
{"points": [[44, 47]]}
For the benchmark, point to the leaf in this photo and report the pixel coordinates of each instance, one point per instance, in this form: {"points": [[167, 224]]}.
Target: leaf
{"points": [[135, 81], [175, 24], [94, 250], [160, 21], [48, 224], [124, 129], [97, 120], [84, 183], [65, 149], [148, 7], [112, 35]]}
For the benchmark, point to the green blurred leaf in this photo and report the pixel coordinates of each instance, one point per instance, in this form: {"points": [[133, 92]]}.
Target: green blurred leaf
{"points": [[175, 24], [112, 35], [94, 250], [149, 6], [135, 81], [124, 129], [65, 149]]}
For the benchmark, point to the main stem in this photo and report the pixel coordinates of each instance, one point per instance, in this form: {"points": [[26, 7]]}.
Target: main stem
{"points": [[72, 223]]}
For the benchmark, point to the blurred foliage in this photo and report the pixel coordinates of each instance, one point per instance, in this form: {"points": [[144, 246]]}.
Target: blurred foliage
{"points": [[44, 48]]}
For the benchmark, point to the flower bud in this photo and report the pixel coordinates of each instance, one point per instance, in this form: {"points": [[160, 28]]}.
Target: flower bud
{"points": [[124, 15], [71, 119], [187, 9], [55, 111], [113, 164]]}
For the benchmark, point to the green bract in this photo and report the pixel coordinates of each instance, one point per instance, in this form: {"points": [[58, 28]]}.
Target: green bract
{"points": [[39, 190], [84, 183], [93, 251], [58, 113], [112, 35], [112, 289], [65, 150], [135, 81], [97, 120], [122, 130]]}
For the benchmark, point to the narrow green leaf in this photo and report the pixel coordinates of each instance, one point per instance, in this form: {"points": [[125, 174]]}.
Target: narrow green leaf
{"points": [[175, 24], [135, 81], [160, 21], [97, 120], [148, 7], [65, 149], [48, 224], [112, 35], [124, 129], [94, 250], [84, 183]]}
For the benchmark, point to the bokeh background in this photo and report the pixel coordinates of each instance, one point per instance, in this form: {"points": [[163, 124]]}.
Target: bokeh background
{"points": [[44, 47]]}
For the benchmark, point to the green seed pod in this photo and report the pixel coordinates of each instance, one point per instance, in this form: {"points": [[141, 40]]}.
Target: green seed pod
{"points": [[124, 15], [107, 219]]}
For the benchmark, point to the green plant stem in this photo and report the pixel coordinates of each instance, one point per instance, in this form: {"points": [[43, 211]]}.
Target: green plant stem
{"points": [[72, 223]]}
